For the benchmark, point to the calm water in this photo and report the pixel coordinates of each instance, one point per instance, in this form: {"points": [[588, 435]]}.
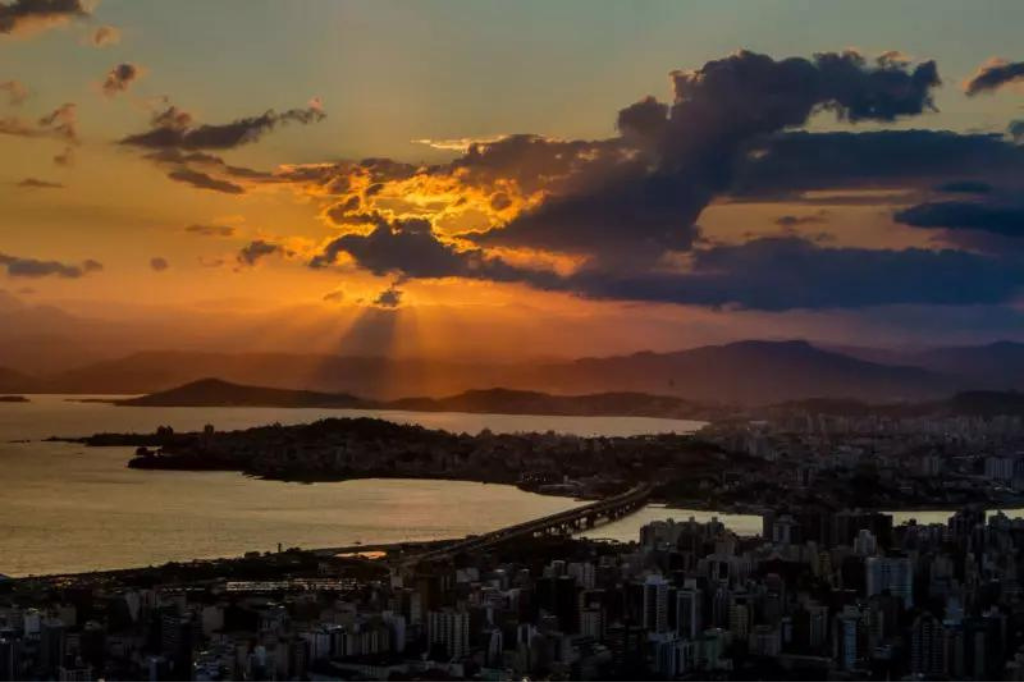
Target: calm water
{"points": [[628, 529], [66, 508]]}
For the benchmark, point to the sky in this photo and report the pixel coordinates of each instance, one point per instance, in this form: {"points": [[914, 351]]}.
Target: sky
{"points": [[494, 179]]}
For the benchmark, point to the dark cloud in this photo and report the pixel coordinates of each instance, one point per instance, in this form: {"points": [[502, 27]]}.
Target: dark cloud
{"points": [[340, 212], [785, 165], [214, 168], [171, 118], [690, 150], [120, 78], [994, 75], [22, 16], [389, 298], [964, 187], [534, 162], [969, 215], [30, 267], [775, 274], [791, 273], [252, 253], [631, 204], [104, 36], [66, 158], [16, 92], [410, 248], [211, 230], [336, 296], [176, 142], [169, 133], [61, 124], [35, 183], [201, 180], [158, 263]]}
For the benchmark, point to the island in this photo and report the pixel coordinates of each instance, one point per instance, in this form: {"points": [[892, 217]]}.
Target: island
{"points": [[13, 399], [832, 454], [218, 393]]}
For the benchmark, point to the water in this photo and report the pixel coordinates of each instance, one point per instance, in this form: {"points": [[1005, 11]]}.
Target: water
{"points": [[65, 507], [627, 529]]}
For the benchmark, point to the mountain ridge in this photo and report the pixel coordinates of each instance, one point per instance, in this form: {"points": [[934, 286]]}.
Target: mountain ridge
{"points": [[752, 372], [213, 392]]}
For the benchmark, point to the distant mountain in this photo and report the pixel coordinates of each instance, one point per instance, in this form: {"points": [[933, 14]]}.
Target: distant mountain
{"points": [[751, 372], [506, 401], [747, 372], [218, 393], [12, 381], [997, 366], [373, 377]]}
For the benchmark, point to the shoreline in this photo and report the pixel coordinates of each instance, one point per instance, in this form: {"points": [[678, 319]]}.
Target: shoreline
{"points": [[699, 421], [351, 551]]}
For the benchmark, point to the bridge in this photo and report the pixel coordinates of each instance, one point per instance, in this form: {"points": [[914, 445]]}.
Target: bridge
{"points": [[563, 523]]}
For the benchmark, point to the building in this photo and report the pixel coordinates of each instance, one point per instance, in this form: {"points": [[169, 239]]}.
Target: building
{"points": [[655, 608], [892, 574], [927, 646], [846, 640], [689, 612], [449, 628]]}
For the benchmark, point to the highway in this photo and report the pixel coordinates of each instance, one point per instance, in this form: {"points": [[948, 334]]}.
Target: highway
{"points": [[562, 523]]}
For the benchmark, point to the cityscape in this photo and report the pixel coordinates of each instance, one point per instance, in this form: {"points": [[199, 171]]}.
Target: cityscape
{"points": [[488, 341], [817, 595]]}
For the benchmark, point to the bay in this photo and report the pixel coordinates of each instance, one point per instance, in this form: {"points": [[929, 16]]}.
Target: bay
{"points": [[68, 508]]}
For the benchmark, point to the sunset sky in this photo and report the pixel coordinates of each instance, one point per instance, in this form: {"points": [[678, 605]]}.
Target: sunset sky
{"points": [[499, 178]]}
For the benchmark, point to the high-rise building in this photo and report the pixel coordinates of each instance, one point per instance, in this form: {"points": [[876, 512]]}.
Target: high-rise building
{"points": [[449, 628], [689, 612], [52, 645], [927, 646], [655, 609], [739, 619], [865, 544], [10, 657], [895, 574], [592, 623], [846, 638]]}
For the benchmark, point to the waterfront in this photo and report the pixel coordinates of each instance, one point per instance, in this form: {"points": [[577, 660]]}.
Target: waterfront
{"points": [[70, 508], [67, 508]]}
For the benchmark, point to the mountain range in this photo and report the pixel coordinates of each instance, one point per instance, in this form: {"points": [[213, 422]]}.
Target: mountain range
{"points": [[745, 373], [218, 393]]}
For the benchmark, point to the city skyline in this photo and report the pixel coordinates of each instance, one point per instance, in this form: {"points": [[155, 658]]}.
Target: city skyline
{"points": [[477, 180]]}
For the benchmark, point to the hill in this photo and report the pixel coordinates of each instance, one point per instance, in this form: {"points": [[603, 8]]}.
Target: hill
{"points": [[218, 393], [748, 372], [753, 372], [997, 366], [12, 381]]}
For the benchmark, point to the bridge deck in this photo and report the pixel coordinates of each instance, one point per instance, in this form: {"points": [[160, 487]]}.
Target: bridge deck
{"points": [[612, 507]]}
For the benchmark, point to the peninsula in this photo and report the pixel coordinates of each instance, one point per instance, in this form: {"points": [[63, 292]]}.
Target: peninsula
{"points": [[833, 455]]}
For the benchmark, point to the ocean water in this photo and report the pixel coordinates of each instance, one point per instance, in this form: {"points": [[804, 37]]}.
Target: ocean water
{"points": [[67, 508]]}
